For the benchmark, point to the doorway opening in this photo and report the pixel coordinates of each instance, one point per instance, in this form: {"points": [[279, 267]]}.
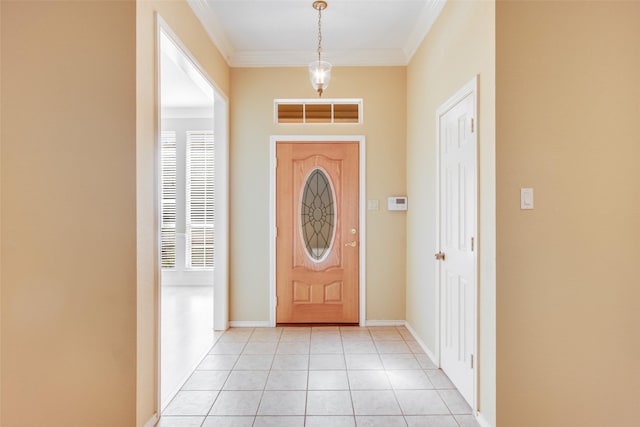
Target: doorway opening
{"points": [[192, 213]]}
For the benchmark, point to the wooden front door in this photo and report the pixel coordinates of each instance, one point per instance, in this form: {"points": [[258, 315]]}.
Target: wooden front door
{"points": [[317, 243]]}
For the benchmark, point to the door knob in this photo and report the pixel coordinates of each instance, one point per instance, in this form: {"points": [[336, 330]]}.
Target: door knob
{"points": [[352, 244], [440, 256]]}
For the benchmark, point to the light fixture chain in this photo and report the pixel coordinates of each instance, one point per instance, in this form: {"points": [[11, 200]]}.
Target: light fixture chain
{"points": [[320, 71], [319, 32]]}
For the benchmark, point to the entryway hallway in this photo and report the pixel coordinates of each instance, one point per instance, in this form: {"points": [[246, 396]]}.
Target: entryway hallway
{"points": [[317, 376]]}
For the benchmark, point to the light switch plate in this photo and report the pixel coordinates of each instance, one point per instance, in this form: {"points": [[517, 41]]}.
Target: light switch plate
{"points": [[373, 205], [526, 198]]}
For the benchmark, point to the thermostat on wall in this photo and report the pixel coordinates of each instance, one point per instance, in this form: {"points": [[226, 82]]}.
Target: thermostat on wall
{"points": [[397, 203]]}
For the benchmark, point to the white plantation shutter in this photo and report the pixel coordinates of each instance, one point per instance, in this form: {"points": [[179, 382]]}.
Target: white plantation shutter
{"points": [[168, 206], [200, 199]]}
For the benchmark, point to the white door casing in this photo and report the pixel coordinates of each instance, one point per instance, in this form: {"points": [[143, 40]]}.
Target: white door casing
{"points": [[458, 206], [220, 273]]}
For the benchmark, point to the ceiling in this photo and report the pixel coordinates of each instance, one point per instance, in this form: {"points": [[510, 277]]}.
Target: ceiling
{"points": [[262, 33], [182, 85]]}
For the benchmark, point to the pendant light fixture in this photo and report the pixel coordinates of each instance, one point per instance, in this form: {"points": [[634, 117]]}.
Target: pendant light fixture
{"points": [[320, 71]]}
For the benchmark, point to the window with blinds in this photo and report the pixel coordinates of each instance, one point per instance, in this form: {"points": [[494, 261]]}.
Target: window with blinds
{"points": [[168, 203], [200, 212]]}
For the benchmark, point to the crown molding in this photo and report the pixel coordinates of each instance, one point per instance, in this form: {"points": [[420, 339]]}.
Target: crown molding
{"points": [[427, 18], [340, 58], [354, 57], [213, 28]]}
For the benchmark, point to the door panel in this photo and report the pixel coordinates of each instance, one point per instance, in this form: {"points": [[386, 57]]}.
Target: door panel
{"points": [[458, 227], [317, 218]]}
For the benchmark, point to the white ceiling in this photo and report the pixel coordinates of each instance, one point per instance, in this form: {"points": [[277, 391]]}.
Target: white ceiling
{"points": [[263, 33], [182, 86]]}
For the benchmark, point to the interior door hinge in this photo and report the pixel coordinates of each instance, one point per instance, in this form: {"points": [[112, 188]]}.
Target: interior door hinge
{"points": [[472, 243], [471, 361], [472, 125], [276, 231], [276, 163], [276, 301]]}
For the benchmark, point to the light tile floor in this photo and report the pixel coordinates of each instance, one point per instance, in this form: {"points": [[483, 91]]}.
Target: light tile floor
{"points": [[320, 376], [187, 322]]}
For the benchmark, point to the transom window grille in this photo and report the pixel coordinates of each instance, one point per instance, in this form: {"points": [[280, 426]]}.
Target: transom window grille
{"points": [[318, 111], [200, 213]]}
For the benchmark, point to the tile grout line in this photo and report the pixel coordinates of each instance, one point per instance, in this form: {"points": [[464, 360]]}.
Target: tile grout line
{"points": [[230, 371], [344, 357], [306, 392], [265, 384]]}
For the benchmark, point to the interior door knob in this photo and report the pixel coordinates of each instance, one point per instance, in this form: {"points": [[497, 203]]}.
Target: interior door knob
{"points": [[352, 244], [440, 256]]}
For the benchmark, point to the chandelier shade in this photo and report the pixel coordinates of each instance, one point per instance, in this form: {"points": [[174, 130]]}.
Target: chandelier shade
{"points": [[320, 75]]}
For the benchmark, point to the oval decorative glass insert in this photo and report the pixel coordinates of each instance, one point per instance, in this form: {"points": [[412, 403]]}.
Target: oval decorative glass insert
{"points": [[317, 213]]}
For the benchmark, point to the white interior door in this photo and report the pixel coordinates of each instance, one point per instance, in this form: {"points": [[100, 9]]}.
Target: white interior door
{"points": [[458, 245]]}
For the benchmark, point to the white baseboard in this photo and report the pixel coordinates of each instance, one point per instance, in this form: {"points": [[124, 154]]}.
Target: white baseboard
{"points": [[422, 344], [152, 421], [249, 324], [266, 324], [384, 323], [482, 421]]}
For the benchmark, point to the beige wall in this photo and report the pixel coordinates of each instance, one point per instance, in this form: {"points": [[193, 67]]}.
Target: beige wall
{"points": [[568, 103], [459, 47], [252, 93], [69, 295], [68, 214], [181, 20]]}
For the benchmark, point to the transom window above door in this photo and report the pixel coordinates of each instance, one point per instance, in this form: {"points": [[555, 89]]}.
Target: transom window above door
{"points": [[327, 111]]}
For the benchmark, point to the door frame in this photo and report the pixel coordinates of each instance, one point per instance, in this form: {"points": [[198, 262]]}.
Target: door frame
{"points": [[221, 178], [470, 87], [302, 139]]}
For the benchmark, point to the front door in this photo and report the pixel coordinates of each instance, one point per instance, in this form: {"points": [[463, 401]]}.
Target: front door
{"points": [[458, 246], [317, 240]]}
